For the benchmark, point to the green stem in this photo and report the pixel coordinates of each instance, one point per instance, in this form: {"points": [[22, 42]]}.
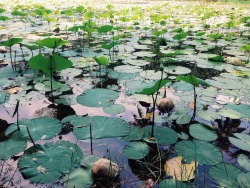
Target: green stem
{"points": [[31, 137], [51, 78], [91, 141], [11, 59], [195, 98]]}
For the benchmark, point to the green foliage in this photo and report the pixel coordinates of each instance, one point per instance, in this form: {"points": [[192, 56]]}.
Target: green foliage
{"points": [[102, 60], [152, 88], [4, 18], [189, 79], [105, 29], [51, 42], [12, 41]]}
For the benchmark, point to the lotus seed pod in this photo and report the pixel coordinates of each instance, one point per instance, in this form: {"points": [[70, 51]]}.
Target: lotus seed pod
{"points": [[165, 104], [105, 167]]}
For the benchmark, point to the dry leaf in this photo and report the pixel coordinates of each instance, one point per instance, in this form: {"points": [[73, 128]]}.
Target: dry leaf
{"points": [[191, 105], [179, 171], [13, 90]]}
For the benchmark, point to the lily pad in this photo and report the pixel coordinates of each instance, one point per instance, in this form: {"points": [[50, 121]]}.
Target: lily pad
{"points": [[45, 164], [152, 75], [103, 127], [225, 174], [42, 128], [3, 97], [136, 133], [136, 150], [79, 178], [244, 161], [202, 132], [170, 183], [177, 70], [201, 151], [97, 97], [163, 135], [242, 141], [127, 69], [114, 109], [14, 145], [244, 180]]}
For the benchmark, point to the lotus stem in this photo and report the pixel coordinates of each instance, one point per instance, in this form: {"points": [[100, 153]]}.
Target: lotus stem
{"points": [[91, 140], [31, 137]]}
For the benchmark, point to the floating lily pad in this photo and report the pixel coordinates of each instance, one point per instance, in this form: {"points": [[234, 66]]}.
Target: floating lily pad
{"points": [[202, 132], [177, 70], [183, 136], [79, 178], [144, 54], [182, 86], [244, 180], [225, 174], [3, 97], [136, 150], [244, 161], [207, 115], [163, 135], [242, 141], [103, 127], [66, 100], [121, 75], [201, 151], [71, 72], [45, 164], [127, 69], [88, 161], [97, 97], [152, 75], [114, 109], [170, 183], [136, 133], [14, 145], [42, 128]]}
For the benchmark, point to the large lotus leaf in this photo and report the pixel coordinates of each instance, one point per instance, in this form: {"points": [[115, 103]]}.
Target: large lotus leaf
{"points": [[152, 75], [207, 115], [77, 121], [244, 161], [3, 97], [7, 72], [144, 54], [71, 72], [163, 135], [79, 178], [41, 128], [136, 133], [14, 145], [134, 86], [88, 161], [136, 62], [114, 109], [225, 112], [121, 76], [49, 161], [242, 141], [101, 60], [11, 42], [182, 86], [201, 151], [177, 70], [136, 150], [150, 89], [180, 36], [46, 64], [225, 174], [127, 69], [242, 109], [105, 28], [170, 183], [66, 100], [189, 79], [104, 127], [46, 86], [183, 119], [244, 180], [97, 97], [51, 42], [202, 132]]}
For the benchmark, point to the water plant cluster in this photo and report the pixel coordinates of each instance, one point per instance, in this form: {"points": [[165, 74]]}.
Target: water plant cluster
{"points": [[165, 96]]}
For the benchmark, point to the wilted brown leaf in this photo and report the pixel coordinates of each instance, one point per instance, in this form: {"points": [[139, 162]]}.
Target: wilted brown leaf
{"points": [[13, 90]]}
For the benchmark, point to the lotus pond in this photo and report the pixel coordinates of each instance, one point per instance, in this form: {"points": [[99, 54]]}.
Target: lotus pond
{"points": [[160, 89]]}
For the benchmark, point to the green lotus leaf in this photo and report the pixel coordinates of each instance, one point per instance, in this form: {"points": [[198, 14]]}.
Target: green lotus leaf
{"points": [[97, 97], [136, 150], [170, 183], [66, 100], [7, 72], [202, 132], [45, 164], [217, 58], [180, 36], [15, 144], [127, 69], [152, 75], [122, 76], [103, 127], [144, 54], [3, 97], [244, 161], [244, 180], [225, 174], [163, 135], [51, 42], [114, 109], [177, 70], [150, 89], [201, 151], [207, 115], [101, 60], [105, 29], [77, 121], [182, 86], [41, 128], [183, 136], [12, 41], [136, 133], [4, 18], [242, 141], [189, 79], [242, 109], [71, 72], [183, 119], [79, 178], [88, 161], [46, 86]]}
